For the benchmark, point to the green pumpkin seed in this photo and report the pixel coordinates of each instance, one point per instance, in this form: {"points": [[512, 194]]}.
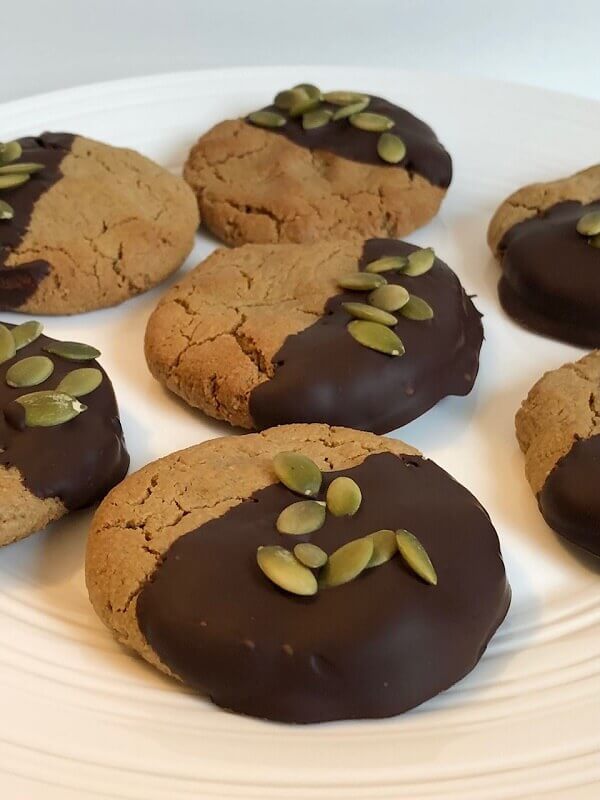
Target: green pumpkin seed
{"points": [[420, 262], [46, 409], [595, 240], [306, 516], [316, 119], [30, 371], [288, 98], [310, 555], [21, 168], [12, 181], [354, 108], [417, 309], [387, 264], [73, 351], [346, 563], [304, 106], [376, 337], [343, 497], [310, 90], [344, 98], [589, 224], [6, 210], [415, 555], [10, 151], [367, 121], [370, 313], [267, 119], [7, 344], [26, 333], [285, 571], [389, 298], [391, 148], [361, 281], [80, 382], [385, 547], [298, 473]]}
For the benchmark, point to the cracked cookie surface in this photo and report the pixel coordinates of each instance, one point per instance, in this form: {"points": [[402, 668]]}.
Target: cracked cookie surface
{"points": [[106, 225]]}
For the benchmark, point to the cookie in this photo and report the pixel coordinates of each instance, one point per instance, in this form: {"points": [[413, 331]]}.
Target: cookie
{"points": [[61, 442], [282, 176], [262, 335], [547, 239], [182, 565], [92, 226]]}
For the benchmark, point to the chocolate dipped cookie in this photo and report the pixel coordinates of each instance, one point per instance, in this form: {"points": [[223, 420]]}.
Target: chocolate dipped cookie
{"points": [[61, 442], [302, 574], [368, 335], [316, 166], [84, 225], [547, 239]]}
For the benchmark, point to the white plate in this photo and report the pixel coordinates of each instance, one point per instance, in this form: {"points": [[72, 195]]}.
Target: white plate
{"points": [[81, 717]]}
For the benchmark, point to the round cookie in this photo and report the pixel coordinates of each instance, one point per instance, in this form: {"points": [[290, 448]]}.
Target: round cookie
{"points": [[294, 183], [558, 429], [543, 236], [93, 226], [172, 569], [260, 336], [61, 442]]}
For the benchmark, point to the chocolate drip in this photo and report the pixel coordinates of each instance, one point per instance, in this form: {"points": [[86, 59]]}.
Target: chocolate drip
{"points": [[323, 375], [425, 155], [374, 647], [17, 284]]}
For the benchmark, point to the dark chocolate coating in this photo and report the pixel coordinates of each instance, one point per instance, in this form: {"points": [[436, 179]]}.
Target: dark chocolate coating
{"points": [[425, 155], [324, 375], [17, 284], [374, 647], [79, 461], [551, 276], [570, 499]]}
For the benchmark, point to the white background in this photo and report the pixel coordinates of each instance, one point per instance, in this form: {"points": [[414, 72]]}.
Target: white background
{"points": [[53, 44]]}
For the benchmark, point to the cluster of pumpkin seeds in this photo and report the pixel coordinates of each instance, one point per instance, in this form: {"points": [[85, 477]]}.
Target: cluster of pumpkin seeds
{"points": [[13, 174], [53, 406], [294, 571], [307, 102], [374, 319], [589, 226]]}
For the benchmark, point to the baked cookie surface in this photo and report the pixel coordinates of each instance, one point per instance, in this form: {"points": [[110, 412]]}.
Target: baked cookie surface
{"points": [[93, 226], [292, 183], [547, 238], [173, 570], [558, 429], [62, 445], [261, 336]]}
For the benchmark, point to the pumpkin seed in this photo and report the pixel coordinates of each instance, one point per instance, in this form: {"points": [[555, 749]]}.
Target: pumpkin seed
{"points": [[45, 409], [367, 121], [10, 151], [316, 119], [370, 313], [354, 108], [391, 148], [285, 571], [288, 98], [589, 224], [29, 371], [298, 472], [376, 337], [387, 264], [21, 168], [310, 89], [7, 344], [12, 181], [6, 210], [342, 98], [417, 309], [346, 563], [361, 281], [385, 547], [267, 119], [595, 240], [26, 333], [306, 516], [303, 106], [310, 555], [80, 382], [415, 555], [420, 262], [73, 351], [343, 497], [389, 298]]}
